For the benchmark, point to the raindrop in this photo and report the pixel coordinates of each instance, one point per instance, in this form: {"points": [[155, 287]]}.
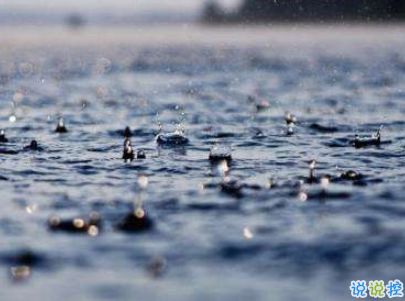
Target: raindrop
{"points": [[143, 181], [61, 128], [247, 233]]}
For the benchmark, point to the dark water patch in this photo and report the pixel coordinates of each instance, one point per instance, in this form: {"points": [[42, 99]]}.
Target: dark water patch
{"points": [[172, 139], [33, 147], [5, 151], [323, 128], [133, 166], [137, 221], [11, 227], [218, 135], [52, 180], [90, 226], [240, 251], [32, 172], [213, 207], [102, 149], [339, 142], [269, 64], [171, 170], [74, 162], [86, 169], [108, 291], [137, 132], [324, 194], [24, 257]]}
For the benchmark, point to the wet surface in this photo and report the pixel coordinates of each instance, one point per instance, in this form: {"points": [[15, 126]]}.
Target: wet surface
{"points": [[77, 220]]}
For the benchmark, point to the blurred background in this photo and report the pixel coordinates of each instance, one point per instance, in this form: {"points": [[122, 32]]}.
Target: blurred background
{"points": [[124, 12], [227, 72]]}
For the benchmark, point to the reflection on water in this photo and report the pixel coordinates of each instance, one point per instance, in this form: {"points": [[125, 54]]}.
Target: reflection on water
{"points": [[234, 198]]}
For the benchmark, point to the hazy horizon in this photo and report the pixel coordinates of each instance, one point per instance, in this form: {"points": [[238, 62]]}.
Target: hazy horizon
{"points": [[104, 11], [119, 6]]}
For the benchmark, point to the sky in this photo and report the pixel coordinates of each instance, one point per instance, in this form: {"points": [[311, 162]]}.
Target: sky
{"points": [[116, 6]]}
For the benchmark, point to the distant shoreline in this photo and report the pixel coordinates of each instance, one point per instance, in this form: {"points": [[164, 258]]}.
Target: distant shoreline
{"points": [[286, 11]]}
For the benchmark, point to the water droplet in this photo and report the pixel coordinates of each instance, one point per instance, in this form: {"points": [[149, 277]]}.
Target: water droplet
{"points": [[17, 97], [143, 181], [31, 208], [325, 182], [78, 223], [302, 196], [93, 230], [247, 233], [223, 168], [312, 164], [201, 188], [139, 212]]}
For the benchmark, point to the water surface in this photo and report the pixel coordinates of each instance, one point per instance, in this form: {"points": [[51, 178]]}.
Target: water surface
{"points": [[265, 244]]}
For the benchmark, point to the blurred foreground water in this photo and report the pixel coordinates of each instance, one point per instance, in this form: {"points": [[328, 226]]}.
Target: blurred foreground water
{"points": [[224, 86]]}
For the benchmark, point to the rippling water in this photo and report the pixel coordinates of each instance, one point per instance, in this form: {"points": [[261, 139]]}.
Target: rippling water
{"points": [[249, 240]]}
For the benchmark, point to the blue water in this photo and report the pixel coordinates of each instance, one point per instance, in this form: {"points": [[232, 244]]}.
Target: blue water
{"points": [[283, 239]]}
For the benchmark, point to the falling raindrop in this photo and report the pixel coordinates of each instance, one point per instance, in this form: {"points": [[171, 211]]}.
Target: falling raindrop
{"points": [[247, 233], [143, 181]]}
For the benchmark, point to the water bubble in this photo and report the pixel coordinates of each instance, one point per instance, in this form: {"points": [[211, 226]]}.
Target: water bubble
{"points": [[78, 223], [93, 230], [139, 212], [175, 138], [302, 196]]}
